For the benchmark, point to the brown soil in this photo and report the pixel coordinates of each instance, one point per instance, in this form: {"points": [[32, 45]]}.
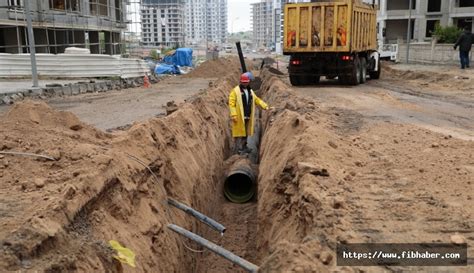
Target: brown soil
{"points": [[214, 68], [325, 176], [59, 215], [386, 183], [433, 78]]}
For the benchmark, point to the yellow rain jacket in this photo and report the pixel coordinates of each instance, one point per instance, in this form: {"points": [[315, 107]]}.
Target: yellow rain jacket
{"points": [[236, 107]]}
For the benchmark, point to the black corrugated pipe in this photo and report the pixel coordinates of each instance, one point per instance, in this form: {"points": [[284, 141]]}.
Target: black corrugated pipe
{"points": [[239, 185], [241, 57]]}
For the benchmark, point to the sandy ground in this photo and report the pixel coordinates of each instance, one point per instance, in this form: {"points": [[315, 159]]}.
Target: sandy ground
{"points": [[399, 163], [436, 98], [122, 108], [389, 161]]}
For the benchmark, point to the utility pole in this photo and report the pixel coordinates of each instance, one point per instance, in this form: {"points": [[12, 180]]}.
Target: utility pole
{"points": [[409, 31], [31, 39]]}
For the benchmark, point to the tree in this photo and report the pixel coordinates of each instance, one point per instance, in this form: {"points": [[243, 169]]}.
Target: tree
{"points": [[154, 54], [448, 34]]}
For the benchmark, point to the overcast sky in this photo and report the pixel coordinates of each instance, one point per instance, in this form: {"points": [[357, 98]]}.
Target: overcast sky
{"points": [[239, 15]]}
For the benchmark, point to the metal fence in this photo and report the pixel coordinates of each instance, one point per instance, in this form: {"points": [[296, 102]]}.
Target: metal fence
{"points": [[72, 66]]}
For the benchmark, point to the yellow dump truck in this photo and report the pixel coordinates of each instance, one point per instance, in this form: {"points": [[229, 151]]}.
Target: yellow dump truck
{"points": [[331, 38]]}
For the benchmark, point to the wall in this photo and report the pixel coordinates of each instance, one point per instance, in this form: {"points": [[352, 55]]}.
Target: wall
{"points": [[72, 66], [428, 54]]}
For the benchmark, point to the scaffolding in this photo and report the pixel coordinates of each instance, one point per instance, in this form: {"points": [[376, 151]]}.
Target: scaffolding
{"points": [[59, 24], [132, 36]]}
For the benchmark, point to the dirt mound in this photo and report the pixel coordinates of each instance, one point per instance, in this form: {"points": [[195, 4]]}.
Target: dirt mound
{"points": [[275, 71], [39, 114], [327, 177], [429, 78], [215, 68], [59, 215]]}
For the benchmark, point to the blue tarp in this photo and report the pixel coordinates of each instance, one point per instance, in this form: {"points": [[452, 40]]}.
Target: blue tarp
{"points": [[181, 57], [166, 69]]}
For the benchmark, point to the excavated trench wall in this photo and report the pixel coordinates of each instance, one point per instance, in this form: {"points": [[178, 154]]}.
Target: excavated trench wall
{"points": [[300, 177], [99, 188]]}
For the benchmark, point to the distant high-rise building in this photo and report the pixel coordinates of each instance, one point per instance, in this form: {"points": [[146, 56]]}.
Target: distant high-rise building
{"points": [[206, 21], [263, 26], [163, 23], [267, 24]]}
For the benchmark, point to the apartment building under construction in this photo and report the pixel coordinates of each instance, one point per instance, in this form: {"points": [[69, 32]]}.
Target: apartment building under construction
{"points": [[262, 23], [394, 16], [162, 23], [57, 24]]}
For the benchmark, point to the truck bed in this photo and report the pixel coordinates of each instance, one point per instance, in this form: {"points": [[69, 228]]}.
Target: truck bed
{"points": [[331, 26]]}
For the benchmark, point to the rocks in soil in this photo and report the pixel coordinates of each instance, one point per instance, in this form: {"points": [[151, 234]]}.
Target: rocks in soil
{"points": [[39, 182], [458, 239], [332, 144], [69, 192], [305, 167], [171, 107], [76, 127], [326, 257]]}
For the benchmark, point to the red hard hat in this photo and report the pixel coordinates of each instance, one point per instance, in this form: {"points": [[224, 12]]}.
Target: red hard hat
{"points": [[244, 78]]}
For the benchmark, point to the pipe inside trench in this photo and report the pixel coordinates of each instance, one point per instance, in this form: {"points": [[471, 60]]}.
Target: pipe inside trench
{"points": [[240, 185]]}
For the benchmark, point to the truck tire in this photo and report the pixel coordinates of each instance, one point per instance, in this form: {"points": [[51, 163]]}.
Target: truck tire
{"points": [[295, 80], [354, 77], [375, 75], [363, 70], [315, 79], [342, 79]]}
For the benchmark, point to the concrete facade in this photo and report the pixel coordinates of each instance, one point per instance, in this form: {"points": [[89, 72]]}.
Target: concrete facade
{"points": [[163, 23], [393, 17], [95, 24], [263, 24], [205, 22]]}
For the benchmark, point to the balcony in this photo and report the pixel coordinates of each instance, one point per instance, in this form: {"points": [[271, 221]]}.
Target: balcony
{"points": [[400, 14], [462, 12]]}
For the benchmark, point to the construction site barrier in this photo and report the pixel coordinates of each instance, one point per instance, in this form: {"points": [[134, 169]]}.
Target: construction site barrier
{"points": [[72, 66]]}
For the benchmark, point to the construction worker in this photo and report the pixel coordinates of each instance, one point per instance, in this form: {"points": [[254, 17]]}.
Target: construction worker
{"points": [[464, 42], [242, 102]]}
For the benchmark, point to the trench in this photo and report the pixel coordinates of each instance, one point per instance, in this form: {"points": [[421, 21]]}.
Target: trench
{"points": [[186, 156], [234, 205], [230, 198]]}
